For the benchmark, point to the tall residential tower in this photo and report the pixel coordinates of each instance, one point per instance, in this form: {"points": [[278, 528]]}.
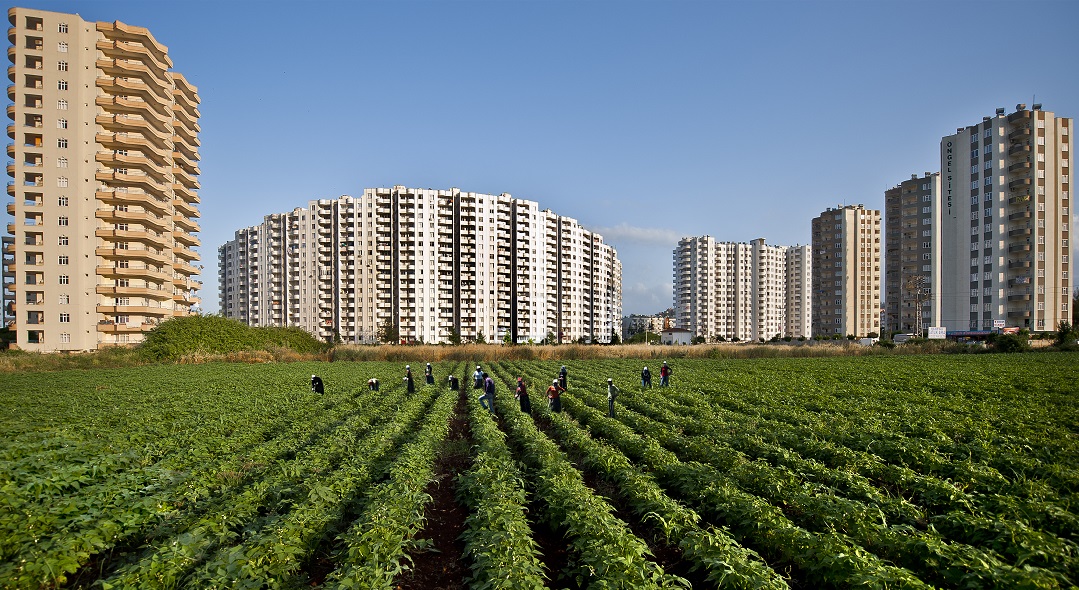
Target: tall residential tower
{"points": [[1005, 214], [430, 264], [912, 251], [104, 183], [846, 271], [741, 291]]}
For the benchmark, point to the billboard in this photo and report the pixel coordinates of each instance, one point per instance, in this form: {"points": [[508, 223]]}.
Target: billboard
{"points": [[937, 332]]}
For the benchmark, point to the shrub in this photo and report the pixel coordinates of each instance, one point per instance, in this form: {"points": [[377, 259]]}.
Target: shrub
{"points": [[196, 336]]}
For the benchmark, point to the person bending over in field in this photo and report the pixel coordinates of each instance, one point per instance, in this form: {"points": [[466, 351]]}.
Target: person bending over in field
{"points": [[612, 393], [646, 378], [372, 384], [554, 396], [316, 384], [429, 376], [455, 385], [522, 396]]}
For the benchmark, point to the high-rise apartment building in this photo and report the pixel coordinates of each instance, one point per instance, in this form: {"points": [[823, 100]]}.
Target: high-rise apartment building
{"points": [[912, 251], [1005, 214], [104, 182], [799, 291], [846, 271], [428, 264], [739, 290]]}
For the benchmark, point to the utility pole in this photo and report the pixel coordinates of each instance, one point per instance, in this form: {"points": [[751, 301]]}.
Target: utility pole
{"points": [[915, 287]]}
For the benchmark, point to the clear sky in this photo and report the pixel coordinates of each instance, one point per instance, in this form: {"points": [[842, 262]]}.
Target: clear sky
{"points": [[645, 121]]}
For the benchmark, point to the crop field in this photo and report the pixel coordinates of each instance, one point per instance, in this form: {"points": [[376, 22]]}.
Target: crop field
{"points": [[943, 471]]}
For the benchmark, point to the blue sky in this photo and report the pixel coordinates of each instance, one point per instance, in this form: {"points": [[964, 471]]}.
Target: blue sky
{"points": [[646, 121]]}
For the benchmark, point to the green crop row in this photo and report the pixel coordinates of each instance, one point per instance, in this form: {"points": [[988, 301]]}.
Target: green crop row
{"points": [[498, 539]]}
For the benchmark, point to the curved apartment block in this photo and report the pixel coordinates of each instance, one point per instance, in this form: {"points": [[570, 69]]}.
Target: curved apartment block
{"points": [[428, 263], [104, 174]]}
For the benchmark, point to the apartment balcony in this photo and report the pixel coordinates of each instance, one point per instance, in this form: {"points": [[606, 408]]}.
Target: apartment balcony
{"points": [[1021, 264], [121, 49], [107, 327], [186, 136], [184, 268], [155, 222], [147, 110], [133, 310], [146, 183], [122, 124], [123, 142], [143, 236], [1019, 215], [133, 86], [134, 272], [146, 254], [149, 76], [137, 199], [1019, 150], [183, 226], [156, 293], [184, 253], [1020, 200], [158, 172], [1020, 231], [185, 238], [1020, 296], [184, 208], [1019, 313], [1019, 183]]}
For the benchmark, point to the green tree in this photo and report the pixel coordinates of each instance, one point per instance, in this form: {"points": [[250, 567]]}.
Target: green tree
{"points": [[1066, 336], [387, 332], [615, 339], [454, 337], [480, 338]]}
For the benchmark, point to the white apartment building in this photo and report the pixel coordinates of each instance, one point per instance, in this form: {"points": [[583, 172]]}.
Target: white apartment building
{"points": [[799, 291], [912, 251], [739, 290], [846, 271], [104, 177], [1005, 212], [429, 263]]}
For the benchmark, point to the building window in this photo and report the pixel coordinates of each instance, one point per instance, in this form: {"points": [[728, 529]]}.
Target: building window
{"points": [[61, 142], [63, 201], [64, 280], [65, 299], [61, 123], [61, 182], [61, 66], [63, 240], [65, 318], [62, 28], [65, 338], [61, 105], [62, 47], [61, 84], [62, 221], [61, 162], [63, 260]]}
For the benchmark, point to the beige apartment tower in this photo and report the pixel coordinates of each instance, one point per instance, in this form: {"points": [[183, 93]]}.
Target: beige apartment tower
{"points": [[1005, 222], [741, 291], [432, 264], [912, 251], [104, 180], [846, 271]]}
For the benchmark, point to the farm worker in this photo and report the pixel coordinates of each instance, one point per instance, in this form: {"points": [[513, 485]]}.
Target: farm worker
{"points": [[612, 393], [487, 398], [428, 375], [646, 378], [554, 399], [410, 385], [562, 378], [477, 378], [455, 385], [665, 375], [316, 384], [372, 384], [522, 396]]}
